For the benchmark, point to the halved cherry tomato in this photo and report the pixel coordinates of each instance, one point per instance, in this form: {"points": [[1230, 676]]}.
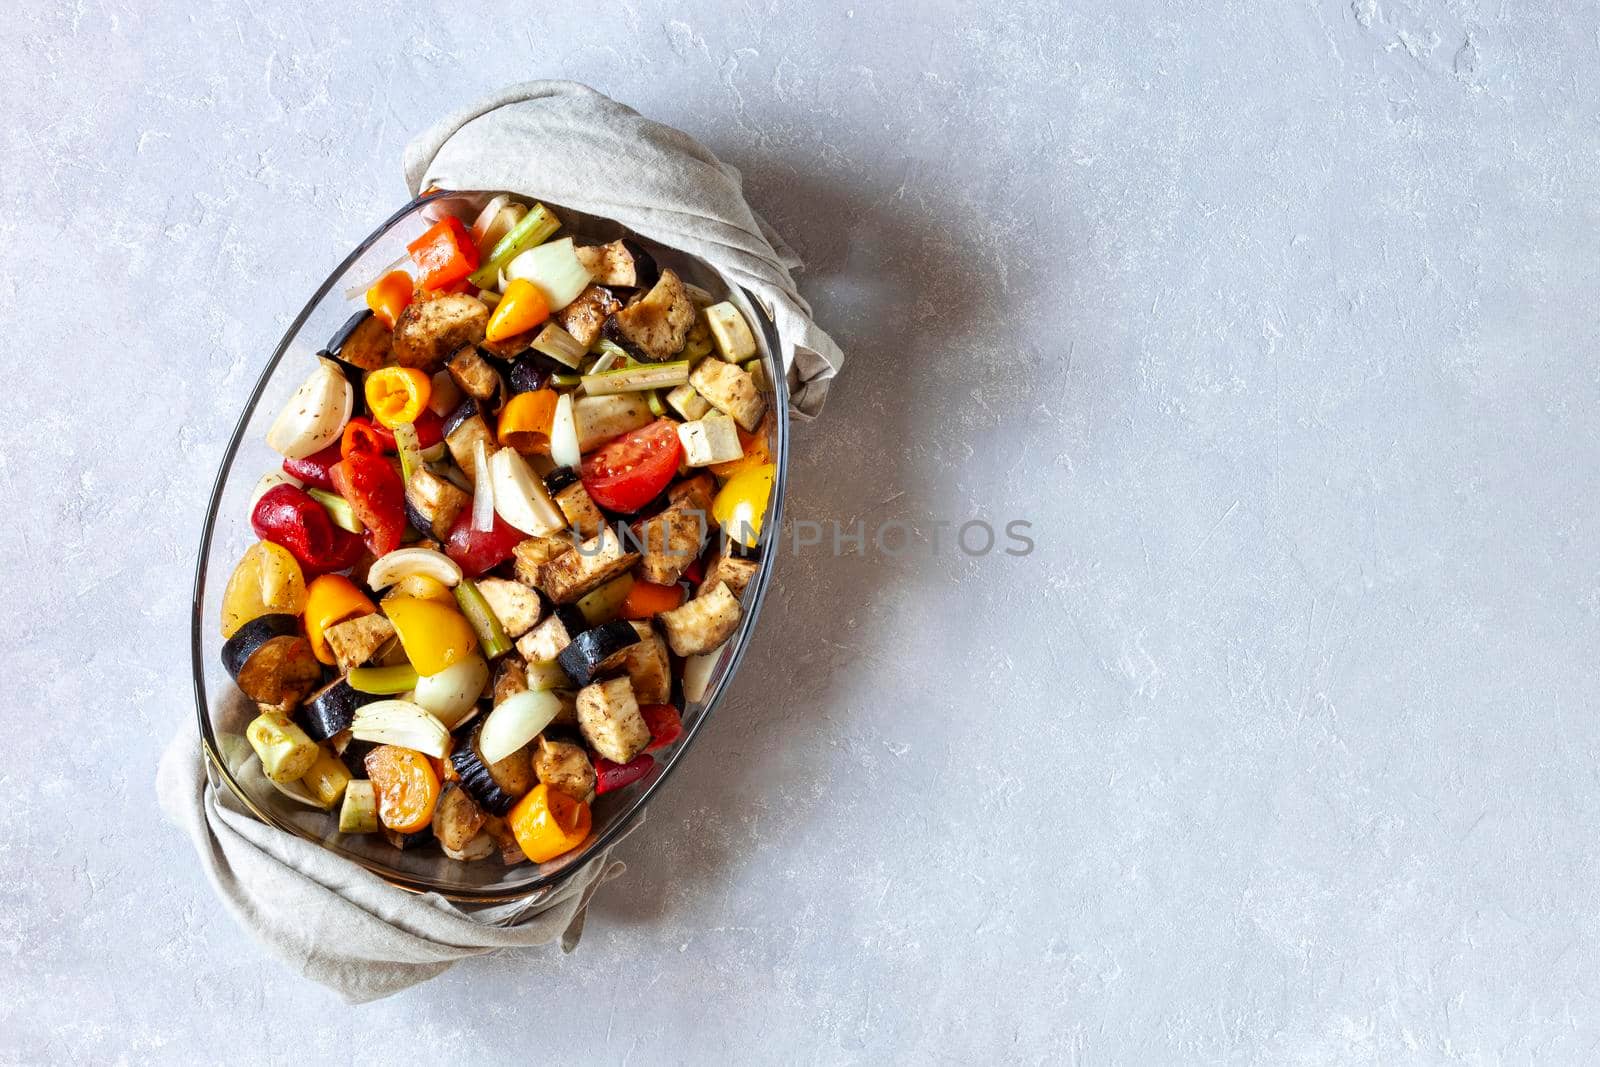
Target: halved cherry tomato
{"points": [[631, 471], [313, 469], [361, 434], [286, 515], [547, 823], [398, 394], [477, 551], [407, 787], [377, 496], [666, 725], [389, 296], [525, 421], [267, 581], [330, 600], [646, 600], [521, 309], [444, 254]]}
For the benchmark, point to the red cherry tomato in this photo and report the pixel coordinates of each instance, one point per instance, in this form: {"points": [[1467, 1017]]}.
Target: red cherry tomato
{"points": [[361, 434], [666, 725], [313, 469], [631, 471], [286, 515], [376, 494], [477, 551], [429, 427], [609, 776]]}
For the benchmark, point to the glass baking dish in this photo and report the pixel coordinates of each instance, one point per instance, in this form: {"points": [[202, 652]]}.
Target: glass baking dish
{"points": [[224, 712]]}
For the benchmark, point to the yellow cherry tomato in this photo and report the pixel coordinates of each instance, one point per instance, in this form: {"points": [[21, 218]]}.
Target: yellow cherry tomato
{"points": [[389, 296], [398, 394], [330, 600], [525, 421], [548, 823], [741, 504], [422, 587], [521, 309], [267, 581], [434, 635]]}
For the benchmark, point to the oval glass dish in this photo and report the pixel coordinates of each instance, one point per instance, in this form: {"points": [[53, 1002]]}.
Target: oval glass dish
{"points": [[224, 711]]}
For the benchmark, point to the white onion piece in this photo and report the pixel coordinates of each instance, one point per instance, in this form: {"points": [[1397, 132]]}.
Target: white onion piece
{"points": [[555, 269], [404, 562], [451, 693], [697, 673], [400, 722], [520, 498], [481, 225], [482, 490], [315, 415], [269, 481], [515, 721], [564, 434]]}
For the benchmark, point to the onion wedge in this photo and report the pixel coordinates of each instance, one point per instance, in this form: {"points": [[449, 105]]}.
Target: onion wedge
{"points": [[403, 562], [520, 498], [315, 415], [515, 721], [400, 722]]}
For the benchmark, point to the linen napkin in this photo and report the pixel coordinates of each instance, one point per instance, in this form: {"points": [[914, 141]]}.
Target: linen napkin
{"points": [[574, 147]]}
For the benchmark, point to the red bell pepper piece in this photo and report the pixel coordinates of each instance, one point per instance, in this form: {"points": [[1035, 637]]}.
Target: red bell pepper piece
{"points": [[313, 469], [695, 572], [286, 515], [376, 494], [666, 725], [361, 434], [430, 429], [444, 254], [609, 776], [477, 551]]}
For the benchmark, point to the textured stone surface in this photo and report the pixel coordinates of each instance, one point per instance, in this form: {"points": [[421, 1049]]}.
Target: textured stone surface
{"points": [[1275, 318]]}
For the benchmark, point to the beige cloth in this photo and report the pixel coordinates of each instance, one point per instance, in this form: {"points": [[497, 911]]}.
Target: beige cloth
{"points": [[333, 921], [567, 144]]}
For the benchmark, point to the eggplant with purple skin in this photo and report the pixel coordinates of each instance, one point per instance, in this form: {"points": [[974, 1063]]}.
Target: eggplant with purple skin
{"points": [[433, 504], [531, 372], [655, 327], [621, 264], [497, 786], [361, 344], [271, 661], [332, 709], [465, 427], [583, 656]]}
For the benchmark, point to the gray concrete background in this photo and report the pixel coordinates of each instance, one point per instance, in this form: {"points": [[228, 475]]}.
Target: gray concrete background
{"points": [[1275, 318]]}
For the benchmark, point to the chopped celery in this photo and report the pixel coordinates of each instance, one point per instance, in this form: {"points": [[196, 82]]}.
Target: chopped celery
{"points": [[491, 635], [657, 408], [637, 378], [534, 229], [604, 348], [559, 345], [410, 448], [338, 509], [566, 381], [384, 681]]}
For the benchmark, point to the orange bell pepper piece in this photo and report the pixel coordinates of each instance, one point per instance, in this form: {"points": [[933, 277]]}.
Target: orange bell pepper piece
{"points": [[330, 600], [548, 823], [646, 600], [523, 307], [389, 296], [398, 394], [525, 421]]}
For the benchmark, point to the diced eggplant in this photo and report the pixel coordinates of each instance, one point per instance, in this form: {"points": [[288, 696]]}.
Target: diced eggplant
{"points": [[514, 604], [580, 510], [473, 374], [359, 813], [286, 753], [623, 263], [585, 316], [331, 709], [671, 541], [457, 818], [550, 638], [730, 570], [495, 786], [600, 418], [609, 719], [696, 494], [587, 652], [703, 623], [270, 661], [603, 604], [559, 478], [646, 666], [570, 575], [533, 552], [531, 372], [510, 677], [505, 841], [429, 331], [327, 779], [735, 343], [713, 438], [730, 390], [433, 504], [367, 346], [655, 327], [357, 640], [481, 847], [688, 403], [408, 842], [463, 430], [564, 767]]}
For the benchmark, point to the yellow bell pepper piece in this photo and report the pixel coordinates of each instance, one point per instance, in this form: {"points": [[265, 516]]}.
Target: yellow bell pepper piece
{"points": [[434, 635], [521, 309], [548, 823], [741, 504]]}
